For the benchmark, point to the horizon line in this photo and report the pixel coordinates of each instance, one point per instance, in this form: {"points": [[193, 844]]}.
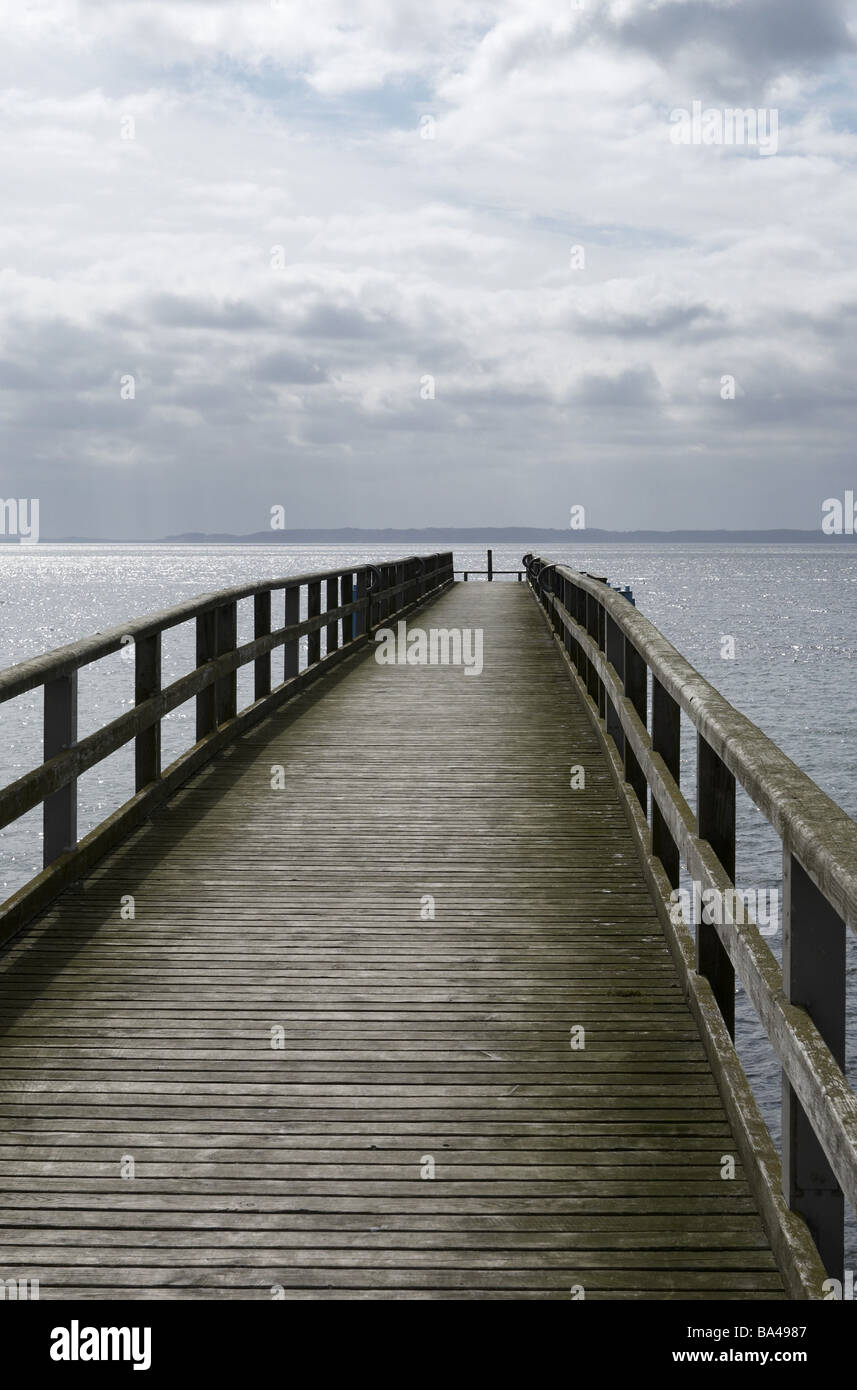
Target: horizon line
{"points": [[462, 534]]}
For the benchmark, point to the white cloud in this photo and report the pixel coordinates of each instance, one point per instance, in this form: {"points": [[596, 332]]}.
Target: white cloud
{"points": [[298, 127]]}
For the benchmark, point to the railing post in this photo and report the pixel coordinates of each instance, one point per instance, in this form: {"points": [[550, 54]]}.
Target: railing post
{"points": [[581, 598], [349, 626], [615, 652], [715, 793], [578, 612], [592, 681], [385, 603], [331, 643], [261, 628], [666, 741], [291, 649], [59, 813], [226, 688], [602, 642], [814, 979], [363, 615], [636, 690], [147, 682], [555, 592], [398, 577], [313, 610], [567, 638], [377, 611], [490, 566], [206, 645]]}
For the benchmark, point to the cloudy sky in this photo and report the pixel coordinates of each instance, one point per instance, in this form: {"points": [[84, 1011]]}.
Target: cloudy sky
{"points": [[321, 254]]}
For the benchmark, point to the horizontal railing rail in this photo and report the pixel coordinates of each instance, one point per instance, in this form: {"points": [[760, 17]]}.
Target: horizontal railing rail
{"points": [[489, 574], [636, 684], [489, 570], [342, 609]]}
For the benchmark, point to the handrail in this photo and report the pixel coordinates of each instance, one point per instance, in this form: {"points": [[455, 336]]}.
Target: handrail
{"points": [[490, 573], [613, 650], [820, 833], [26, 675], [344, 604]]}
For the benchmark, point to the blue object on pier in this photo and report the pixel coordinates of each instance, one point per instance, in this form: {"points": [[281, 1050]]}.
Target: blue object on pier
{"points": [[625, 591]]}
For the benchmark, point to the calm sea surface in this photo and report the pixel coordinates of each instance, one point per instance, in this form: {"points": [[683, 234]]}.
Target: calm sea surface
{"points": [[791, 610]]}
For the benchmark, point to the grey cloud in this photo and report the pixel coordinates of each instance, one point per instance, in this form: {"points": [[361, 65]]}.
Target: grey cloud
{"points": [[658, 321], [343, 321], [68, 412], [14, 377], [827, 324], [636, 388], [178, 311], [760, 35], [499, 396], [49, 351], [289, 369]]}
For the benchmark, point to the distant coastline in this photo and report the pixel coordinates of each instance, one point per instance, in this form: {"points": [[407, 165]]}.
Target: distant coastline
{"points": [[461, 535]]}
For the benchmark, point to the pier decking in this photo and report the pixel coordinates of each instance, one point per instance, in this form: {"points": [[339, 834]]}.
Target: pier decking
{"points": [[406, 1041], [376, 994]]}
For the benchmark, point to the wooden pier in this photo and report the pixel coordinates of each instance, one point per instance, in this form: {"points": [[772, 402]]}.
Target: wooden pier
{"points": [[370, 995]]}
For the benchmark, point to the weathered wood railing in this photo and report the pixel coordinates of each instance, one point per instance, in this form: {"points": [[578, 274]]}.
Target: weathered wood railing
{"points": [[613, 651], [344, 604]]}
